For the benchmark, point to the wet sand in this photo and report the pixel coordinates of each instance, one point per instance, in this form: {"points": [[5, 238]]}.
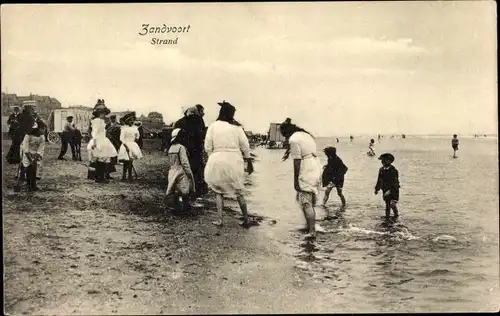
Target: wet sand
{"points": [[77, 247]]}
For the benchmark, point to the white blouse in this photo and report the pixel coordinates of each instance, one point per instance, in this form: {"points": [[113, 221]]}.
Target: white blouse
{"points": [[302, 145], [224, 137], [98, 128], [129, 134]]}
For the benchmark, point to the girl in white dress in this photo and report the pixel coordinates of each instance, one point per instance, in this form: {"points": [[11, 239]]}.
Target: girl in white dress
{"points": [[228, 148], [307, 171], [100, 148], [129, 150]]}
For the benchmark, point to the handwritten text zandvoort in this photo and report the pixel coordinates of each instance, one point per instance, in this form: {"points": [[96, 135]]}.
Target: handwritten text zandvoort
{"points": [[163, 29]]}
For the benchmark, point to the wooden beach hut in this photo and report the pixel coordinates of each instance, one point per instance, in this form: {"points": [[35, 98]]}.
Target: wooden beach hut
{"points": [[275, 139], [57, 119]]}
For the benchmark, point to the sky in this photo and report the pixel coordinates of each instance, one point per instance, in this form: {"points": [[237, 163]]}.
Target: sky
{"points": [[335, 68]]}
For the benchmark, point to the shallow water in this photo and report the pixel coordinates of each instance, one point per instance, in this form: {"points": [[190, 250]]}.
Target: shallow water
{"points": [[443, 254]]}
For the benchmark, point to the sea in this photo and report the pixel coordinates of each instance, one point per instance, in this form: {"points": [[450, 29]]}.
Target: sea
{"points": [[441, 256]]}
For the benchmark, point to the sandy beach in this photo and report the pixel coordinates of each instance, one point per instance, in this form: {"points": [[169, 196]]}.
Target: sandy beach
{"points": [[71, 249]]}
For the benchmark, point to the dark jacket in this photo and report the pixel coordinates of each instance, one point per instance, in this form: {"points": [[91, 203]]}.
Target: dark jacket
{"points": [[388, 179], [13, 122], [194, 126], [141, 136], [334, 169], [113, 134]]}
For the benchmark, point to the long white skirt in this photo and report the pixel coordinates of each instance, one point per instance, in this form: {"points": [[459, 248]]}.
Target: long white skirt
{"points": [[103, 151], [225, 173], [310, 175], [133, 154]]}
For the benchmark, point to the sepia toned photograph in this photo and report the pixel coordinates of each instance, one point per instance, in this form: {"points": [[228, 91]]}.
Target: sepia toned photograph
{"points": [[250, 158]]}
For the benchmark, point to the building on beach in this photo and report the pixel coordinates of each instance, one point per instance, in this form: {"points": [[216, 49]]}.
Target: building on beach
{"points": [[274, 137]]}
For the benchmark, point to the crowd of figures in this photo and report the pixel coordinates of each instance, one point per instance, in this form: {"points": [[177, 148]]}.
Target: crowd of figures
{"points": [[199, 158]]}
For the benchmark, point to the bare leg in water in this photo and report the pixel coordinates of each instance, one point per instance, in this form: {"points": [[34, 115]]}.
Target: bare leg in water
{"points": [[327, 194], [341, 196], [394, 208], [310, 216]]}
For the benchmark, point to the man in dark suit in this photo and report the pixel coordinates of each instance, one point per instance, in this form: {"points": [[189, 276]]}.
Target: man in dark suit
{"points": [[194, 126]]}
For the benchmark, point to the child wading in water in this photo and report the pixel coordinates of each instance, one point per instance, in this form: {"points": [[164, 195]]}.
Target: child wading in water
{"points": [[371, 148], [333, 175], [32, 149], [307, 171], [454, 144], [129, 150], [180, 176], [388, 182]]}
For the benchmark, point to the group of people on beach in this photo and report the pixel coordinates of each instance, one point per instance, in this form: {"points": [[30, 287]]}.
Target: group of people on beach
{"points": [[27, 131], [199, 158], [309, 175], [227, 149], [106, 149]]}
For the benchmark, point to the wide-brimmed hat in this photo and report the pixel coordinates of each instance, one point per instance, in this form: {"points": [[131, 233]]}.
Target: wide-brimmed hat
{"points": [[130, 116], [224, 103], [69, 117], [100, 107], [387, 156], [174, 134]]}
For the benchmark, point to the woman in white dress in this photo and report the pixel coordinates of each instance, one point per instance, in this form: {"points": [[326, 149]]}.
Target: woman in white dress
{"points": [[129, 150], [228, 149], [307, 171], [100, 148]]}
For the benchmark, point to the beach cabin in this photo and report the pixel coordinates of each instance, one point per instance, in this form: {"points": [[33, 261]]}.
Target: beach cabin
{"points": [[57, 119], [275, 139]]}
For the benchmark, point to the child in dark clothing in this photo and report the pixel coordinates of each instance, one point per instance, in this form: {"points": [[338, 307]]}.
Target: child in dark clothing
{"points": [[454, 145], [388, 182], [333, 175]]}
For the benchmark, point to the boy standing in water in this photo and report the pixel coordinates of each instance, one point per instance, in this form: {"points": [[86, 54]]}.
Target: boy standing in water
{"points": [[333, 175], [388, 182], [454, 144]]}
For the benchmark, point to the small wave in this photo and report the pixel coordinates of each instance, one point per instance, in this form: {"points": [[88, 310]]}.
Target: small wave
{"points": [[445, 238], [436, 272], [400, 232]]}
